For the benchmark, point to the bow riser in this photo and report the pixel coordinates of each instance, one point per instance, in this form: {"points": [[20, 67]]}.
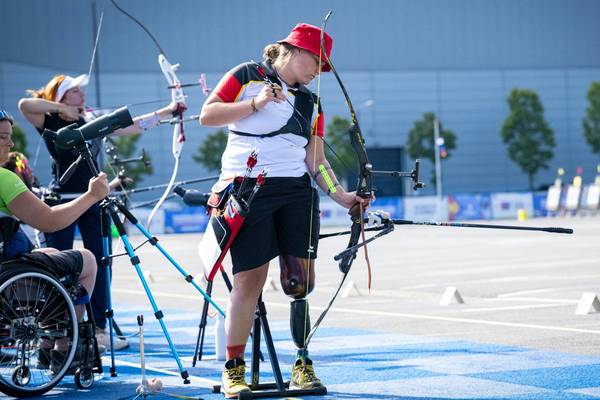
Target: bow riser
{"points": [[346, 261], [364, 186], [169, 70], [177, 96]]}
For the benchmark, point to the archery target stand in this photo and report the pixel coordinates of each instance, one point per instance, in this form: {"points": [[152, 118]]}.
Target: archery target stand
{"points": [[593, 198], [553, 199], [573, 198], [451, 295], [588, 303]]}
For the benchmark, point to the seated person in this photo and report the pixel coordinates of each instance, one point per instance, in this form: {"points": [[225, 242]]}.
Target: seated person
{"points": [[18, 163], [16, 200]]}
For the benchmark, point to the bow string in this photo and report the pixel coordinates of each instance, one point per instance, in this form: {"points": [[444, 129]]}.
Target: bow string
{"points": [[178, 97], [364, 186]]}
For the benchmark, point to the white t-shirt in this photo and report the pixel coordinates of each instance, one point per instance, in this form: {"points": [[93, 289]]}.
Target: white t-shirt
{"points": [[295, 120]]}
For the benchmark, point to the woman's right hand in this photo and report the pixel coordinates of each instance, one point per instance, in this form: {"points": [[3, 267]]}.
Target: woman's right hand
{"points": [[267, 94], [70, 113], [98, 186]]}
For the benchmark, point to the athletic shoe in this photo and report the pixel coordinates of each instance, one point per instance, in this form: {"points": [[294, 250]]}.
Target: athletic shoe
{"points": [[233, 380], [303, 375], [103, 339]]}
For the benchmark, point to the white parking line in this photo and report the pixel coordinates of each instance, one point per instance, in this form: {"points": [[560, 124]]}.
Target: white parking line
{"points": [[393, 314], [538, 299], [521, 307], [521, 292]]}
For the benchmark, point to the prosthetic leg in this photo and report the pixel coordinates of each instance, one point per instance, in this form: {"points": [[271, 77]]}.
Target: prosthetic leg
{"points": [[297, 281]]}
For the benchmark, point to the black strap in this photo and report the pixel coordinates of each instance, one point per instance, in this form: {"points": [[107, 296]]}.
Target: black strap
{"points": [[270, 134]]}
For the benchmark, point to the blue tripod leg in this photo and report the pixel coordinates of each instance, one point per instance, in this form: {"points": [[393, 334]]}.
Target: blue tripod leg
{"points": [[154, 242], [135, 261]]}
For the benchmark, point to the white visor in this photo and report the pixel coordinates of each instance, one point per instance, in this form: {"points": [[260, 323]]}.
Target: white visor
{"points": [[70, 83]]}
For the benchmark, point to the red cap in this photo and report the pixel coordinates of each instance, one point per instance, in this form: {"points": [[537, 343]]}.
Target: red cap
{"points": [[308, 37]]}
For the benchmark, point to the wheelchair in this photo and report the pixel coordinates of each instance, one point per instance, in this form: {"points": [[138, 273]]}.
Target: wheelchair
{"points": [[37, 311]]}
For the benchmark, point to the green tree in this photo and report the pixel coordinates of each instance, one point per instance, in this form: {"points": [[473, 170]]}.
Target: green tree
{"points": [[126, 147], [529, 137], [420, 143], [20, 140], [337, 140], [591, 122], [421, 137], [210, 150]]}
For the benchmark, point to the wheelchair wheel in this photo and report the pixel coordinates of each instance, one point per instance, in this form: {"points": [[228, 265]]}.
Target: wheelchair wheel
{"points": [[84, 378], [36, 312]]}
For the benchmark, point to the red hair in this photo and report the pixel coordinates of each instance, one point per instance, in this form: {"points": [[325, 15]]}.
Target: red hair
{"points": [[48, 92]]}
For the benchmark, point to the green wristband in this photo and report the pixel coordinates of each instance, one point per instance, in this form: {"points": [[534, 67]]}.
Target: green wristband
{"points": [[327, 178]]}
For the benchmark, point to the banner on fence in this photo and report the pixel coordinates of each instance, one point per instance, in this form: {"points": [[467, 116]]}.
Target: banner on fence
{"points": [[426, 208], [507, 205], [469, 206]]}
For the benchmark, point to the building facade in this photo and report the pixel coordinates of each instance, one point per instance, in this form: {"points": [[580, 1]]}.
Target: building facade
{"points": [[398, 60]]}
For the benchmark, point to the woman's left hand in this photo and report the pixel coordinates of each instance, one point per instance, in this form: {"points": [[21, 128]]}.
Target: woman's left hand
{"points": [[349, 199], [173, 106]]}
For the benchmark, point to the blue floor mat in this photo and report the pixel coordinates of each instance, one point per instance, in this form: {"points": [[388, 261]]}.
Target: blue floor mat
{"points": [[354, 364]]}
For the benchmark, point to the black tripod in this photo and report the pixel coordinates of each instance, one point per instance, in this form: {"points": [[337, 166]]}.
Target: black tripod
{"points": [[279, 388], [203, 319], [194, 198]]}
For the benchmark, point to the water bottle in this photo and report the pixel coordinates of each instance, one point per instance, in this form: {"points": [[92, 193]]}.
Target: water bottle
{"points": [[220, 338]]}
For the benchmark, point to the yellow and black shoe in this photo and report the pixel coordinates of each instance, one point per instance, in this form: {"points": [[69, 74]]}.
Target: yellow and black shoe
{"points": [[303, 375], [233, 380]]}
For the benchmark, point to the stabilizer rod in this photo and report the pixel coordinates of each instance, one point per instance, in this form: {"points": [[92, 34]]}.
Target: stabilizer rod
{"points": [[455, 225], [485, 226], [164, 185]]}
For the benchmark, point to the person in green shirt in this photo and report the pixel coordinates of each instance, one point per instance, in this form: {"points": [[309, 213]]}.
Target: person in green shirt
{"points": [[17, 201]]}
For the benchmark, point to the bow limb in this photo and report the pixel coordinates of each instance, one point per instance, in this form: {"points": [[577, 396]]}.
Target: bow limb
{"points": [[178, 138], [364, 186], [177, 96]]}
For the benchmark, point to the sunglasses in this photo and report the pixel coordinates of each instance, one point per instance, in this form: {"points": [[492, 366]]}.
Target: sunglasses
{"points": [[6, 116]]}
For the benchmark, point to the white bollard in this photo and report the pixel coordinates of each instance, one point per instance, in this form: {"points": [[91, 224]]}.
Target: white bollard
{"points": [[148, 276], [270, 284], [589, 303], [451, 294], [350, 290]]}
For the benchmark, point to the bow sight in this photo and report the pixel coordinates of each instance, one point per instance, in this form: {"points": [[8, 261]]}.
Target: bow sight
{"points": [[413, 175], [112, 151]]}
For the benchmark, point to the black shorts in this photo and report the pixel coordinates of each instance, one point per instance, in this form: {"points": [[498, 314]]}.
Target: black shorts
{"points": [[283, 219], [63, 263]]}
